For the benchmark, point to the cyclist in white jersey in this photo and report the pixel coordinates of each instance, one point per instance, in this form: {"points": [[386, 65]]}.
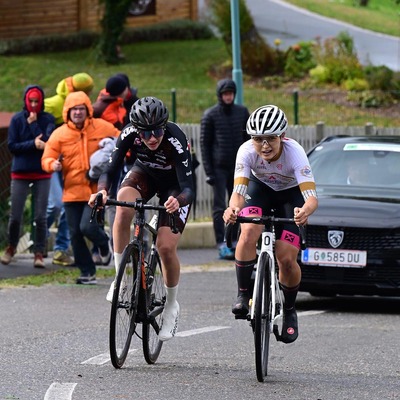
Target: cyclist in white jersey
{"points": [[272, 174]]}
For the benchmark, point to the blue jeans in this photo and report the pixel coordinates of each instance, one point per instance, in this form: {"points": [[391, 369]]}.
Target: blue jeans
{"points": [[78, 217], [55, 210], [20, 189]]}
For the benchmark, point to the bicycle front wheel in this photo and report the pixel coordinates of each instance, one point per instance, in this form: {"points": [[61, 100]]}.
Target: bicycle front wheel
{"points": [[155, 300], [262, 317], [124, 306]]}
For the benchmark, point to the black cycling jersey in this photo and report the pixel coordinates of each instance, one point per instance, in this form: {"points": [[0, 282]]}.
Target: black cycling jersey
{"points": [[170, 163]]}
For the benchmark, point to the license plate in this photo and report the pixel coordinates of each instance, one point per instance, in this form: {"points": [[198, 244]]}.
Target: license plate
{"points": [[334, 257]]}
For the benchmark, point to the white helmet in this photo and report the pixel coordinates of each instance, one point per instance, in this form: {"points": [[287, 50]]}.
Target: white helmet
{"points": [[267, 120]]}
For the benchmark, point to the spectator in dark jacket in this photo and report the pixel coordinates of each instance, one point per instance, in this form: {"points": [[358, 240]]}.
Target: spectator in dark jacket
{"points": [[27, 136], [223, 130]]}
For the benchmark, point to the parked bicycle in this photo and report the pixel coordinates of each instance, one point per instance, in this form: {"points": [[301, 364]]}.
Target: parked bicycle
{"points": [[266, 304], [139, 291]]}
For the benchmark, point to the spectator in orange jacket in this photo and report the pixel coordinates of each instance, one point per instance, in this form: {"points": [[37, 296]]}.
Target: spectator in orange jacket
{"points": [[115, 101], [68, 150]]}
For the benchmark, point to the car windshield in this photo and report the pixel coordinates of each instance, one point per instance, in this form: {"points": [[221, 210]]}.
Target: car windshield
{"points": [[357, 169]]}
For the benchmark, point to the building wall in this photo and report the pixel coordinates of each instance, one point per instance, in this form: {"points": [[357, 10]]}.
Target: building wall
{"points": [[24, 18]]}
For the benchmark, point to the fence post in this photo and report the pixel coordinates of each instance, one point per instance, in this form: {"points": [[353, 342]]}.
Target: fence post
{"points": [[319, 130], [173, 101], [369, 129], [296, 106]]}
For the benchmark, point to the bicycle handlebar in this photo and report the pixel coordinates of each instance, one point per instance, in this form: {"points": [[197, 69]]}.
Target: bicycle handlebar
{"points": [[265, 220], [137, 205]]}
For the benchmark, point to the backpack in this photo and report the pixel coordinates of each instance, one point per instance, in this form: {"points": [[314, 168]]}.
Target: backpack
{"points": [[100, 158]]}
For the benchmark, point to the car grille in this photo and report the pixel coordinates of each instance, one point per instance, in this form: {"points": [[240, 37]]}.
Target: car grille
{"points": [[383, 257]]}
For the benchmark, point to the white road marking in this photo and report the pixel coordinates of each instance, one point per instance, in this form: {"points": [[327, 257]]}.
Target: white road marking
{"points": [[60, 391], [201, 330], [314, 312], [102, 358]]}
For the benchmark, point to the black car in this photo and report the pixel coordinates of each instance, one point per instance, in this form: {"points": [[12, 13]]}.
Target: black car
{"points": [[353, 238]]}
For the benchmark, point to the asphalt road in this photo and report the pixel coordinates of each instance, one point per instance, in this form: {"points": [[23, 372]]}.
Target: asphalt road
{"points": [[277, 19], [54, 345]]}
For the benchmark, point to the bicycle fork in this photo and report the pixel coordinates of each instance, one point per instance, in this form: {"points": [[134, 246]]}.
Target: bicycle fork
{"points": [[267, 244]]}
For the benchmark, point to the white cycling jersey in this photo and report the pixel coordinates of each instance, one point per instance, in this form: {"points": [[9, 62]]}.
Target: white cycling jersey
{"points": [[289, 169]]}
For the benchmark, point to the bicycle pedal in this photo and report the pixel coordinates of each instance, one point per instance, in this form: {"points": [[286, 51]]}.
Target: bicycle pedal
{"points": [[238, 316]]}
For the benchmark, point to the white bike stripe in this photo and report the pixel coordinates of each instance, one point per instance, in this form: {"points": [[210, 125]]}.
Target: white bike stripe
{"points": [[201, 330], [102, 358], [312, 312], [60, 391]]}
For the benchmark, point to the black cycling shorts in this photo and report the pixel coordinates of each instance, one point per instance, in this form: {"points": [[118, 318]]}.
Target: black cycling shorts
{"points": [[148, 186], [262, 200]]}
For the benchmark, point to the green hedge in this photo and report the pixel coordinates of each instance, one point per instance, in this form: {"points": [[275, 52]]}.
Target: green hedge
{"points": [[174, 30]]}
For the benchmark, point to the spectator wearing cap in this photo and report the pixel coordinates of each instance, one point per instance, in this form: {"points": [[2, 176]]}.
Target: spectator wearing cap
{"points": [[113, 104], [222, 131], [55, 208], [114, 101], [28, 133]]}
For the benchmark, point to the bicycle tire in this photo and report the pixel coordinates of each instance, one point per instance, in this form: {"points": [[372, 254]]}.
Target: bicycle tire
{"points": [[124, 306], [155, 300], [262, 317]]}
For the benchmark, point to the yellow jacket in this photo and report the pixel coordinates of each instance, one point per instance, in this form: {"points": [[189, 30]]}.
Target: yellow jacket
{"points": [[76, 146]]}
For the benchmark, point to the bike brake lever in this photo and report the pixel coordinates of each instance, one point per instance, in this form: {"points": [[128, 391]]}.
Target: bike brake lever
{"points": [[303, 242], [172, 223], [97, 202]]}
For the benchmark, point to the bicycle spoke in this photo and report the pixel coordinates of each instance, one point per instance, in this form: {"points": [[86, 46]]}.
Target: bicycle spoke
{"points": [[155, 305], [124, 308], [262, 317]]}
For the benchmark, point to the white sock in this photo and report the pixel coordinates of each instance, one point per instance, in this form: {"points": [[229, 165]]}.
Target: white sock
{"points": [[172, 293], [117, 261]]}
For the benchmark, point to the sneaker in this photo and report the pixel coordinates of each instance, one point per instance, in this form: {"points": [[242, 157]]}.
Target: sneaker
{"points": [[225, 253], [241, 307], [8, 255], [110, 293], [62, 258], [38, 261], [290, 330], [87, 280], [97, 259], [106, 259], [169, 322]]}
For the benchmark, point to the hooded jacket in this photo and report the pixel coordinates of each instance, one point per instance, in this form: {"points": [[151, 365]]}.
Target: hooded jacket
{"points": [[76, 146], [110, 108], [54, 105], [222, 131], [21, 139]]}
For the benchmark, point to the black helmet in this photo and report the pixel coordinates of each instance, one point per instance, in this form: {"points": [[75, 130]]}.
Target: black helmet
{"points": [[148, 113]]}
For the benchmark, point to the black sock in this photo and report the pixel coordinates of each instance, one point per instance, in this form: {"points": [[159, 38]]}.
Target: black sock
{"points": [[290, 294], [244, 270]]}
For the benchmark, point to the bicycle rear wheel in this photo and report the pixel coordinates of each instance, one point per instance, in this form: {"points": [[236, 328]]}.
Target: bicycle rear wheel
{"points": [[155, 299], [124, 306], [262, 317]]}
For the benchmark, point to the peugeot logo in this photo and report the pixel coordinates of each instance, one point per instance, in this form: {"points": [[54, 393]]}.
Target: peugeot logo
{"points": [[335, 238]]}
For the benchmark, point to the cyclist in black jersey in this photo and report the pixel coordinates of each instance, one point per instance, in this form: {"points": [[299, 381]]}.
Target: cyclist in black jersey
{"points": [[272, 172], [162, 167]]}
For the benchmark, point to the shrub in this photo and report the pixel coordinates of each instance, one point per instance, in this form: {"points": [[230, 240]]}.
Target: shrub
{"points": [[379, 78], [257, 57], [356, 84], [299, 60], [338, 56]]}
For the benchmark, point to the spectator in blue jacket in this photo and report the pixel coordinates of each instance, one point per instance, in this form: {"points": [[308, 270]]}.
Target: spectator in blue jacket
{"points": [[27, 136]]}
